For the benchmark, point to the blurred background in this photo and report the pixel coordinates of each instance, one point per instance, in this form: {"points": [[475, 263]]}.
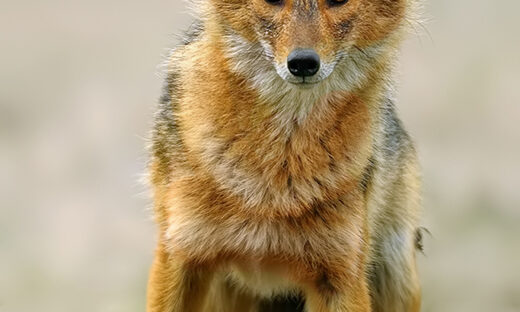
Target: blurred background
{"points": [[78, 86]]}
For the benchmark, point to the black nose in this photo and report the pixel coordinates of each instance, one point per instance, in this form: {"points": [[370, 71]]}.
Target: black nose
{"points": [[303, 62]]}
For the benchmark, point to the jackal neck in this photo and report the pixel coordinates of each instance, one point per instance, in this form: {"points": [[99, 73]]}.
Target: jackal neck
{"points": [[276, 147]]}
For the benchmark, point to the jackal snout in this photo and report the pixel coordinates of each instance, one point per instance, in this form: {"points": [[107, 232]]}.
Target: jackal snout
{"points": [[303, 62]]}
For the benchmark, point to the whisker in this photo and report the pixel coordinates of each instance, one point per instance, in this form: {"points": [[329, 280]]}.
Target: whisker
{"points": [[412, 23]]}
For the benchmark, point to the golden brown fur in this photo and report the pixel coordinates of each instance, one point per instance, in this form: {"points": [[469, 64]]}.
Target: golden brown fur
{"points": [[261, 193]]}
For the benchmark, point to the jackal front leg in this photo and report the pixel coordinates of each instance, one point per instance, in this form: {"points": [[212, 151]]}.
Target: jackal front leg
{"points": [[175, 285], [352, 297]]}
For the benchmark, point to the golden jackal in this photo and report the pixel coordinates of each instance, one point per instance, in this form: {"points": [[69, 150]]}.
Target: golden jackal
{"points": [[283, 179]]}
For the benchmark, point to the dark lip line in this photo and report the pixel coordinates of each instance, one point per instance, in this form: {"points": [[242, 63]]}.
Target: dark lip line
{"points": [[304, 83]]}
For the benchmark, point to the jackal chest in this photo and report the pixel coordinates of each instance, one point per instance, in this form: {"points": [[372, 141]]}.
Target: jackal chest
{"points": [[312, 238], [209, 239]]}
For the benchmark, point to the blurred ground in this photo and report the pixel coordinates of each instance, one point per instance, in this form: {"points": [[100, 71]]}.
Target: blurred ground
{"points": [[78, 86]]}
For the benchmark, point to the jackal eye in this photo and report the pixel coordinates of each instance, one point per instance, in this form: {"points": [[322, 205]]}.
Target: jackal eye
{"points": [[336, 2], [274, 2]]}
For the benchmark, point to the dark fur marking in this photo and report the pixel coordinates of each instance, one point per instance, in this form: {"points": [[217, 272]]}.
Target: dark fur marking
{"points": [[368, 174], [283, 304], [267, 25], [316, 212], [332, 164], [164, 136], [375, 274], [269, 30], [167, 145], [344, 27], [396, 141], [419, 237], [325, 287]]}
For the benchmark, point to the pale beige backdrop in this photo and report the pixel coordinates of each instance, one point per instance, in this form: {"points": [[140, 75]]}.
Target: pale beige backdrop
{"points": [[78, 85]]}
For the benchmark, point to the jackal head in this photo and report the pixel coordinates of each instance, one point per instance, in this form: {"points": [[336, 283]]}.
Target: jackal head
{"points": [[305, 40]]}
